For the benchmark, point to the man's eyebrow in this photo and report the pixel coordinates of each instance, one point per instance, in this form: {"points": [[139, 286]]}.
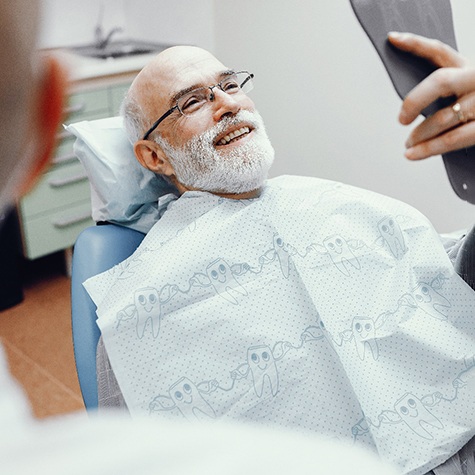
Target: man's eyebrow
{"points": [[186, 90]]}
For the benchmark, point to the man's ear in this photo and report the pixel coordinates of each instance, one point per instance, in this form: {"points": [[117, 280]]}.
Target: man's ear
{"points": [[150, 155], [47, 114]]}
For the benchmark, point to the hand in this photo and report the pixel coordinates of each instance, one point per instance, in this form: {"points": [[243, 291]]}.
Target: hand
{"points": [[450, 128]]}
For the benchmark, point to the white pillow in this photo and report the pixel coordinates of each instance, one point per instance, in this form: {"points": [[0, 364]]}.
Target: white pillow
{"points": [[122, 191]]}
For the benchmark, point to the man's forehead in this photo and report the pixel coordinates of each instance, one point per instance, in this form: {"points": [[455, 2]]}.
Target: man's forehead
{"points": [[178, 68], [194, 66], [180, 58]]}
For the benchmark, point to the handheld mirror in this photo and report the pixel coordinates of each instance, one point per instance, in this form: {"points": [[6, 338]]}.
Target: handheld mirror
{"points": [[432, 19]]}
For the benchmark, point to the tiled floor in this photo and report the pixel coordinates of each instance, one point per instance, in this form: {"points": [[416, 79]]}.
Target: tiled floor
{"points": [[36, 335]]}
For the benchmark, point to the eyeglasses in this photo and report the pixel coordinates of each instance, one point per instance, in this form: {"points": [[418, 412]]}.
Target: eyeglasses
{"points": [[193, 101]]}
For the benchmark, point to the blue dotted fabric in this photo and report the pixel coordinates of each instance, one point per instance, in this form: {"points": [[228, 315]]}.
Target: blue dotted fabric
{"points": [[317, 306]]}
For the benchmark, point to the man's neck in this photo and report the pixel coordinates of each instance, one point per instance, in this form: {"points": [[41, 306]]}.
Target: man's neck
{"points": [[241, 196], [230, 196]]}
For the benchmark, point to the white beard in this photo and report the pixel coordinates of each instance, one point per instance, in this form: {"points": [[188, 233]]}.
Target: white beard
{"points": [[199, 165]]}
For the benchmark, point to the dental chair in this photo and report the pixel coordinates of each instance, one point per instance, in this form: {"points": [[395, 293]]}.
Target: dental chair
{"points": [[122, 193], [97, 249]]}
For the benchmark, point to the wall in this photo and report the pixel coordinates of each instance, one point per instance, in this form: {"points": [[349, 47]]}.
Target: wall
{"points": [[173, 22], [327, 101], [70, 23]]}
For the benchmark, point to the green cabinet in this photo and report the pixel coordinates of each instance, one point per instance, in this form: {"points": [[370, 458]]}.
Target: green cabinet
{"points": [[54, 213]]}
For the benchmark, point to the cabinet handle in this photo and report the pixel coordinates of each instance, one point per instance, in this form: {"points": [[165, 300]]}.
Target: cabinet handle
{"points": [[63, 135], [64, 158], [59, 182], [74, 109], [70, 220]]}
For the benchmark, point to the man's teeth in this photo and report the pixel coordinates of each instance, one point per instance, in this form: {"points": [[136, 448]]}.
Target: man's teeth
{"points": [[227, 138]]}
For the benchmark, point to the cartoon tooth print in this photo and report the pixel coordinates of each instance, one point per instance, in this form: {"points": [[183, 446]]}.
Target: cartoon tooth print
{"points": [[189, 401], [263, 368], [224, 283], [335, 190], [430, 301], [345, 190], [321, 325], [364, 333], [327, 335], [147, 305], [341, 254], [393, 237], [282, 254], [466, 378], [413, 413], [360, 428]]}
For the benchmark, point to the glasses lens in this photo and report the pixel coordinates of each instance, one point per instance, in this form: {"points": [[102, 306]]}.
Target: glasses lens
{"points": [[196, 99], [193, 100], [237, 82], [245, 81]]}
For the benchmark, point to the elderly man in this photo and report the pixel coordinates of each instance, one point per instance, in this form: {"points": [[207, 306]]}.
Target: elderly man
{"points": [[293, 302], [31, 96]]}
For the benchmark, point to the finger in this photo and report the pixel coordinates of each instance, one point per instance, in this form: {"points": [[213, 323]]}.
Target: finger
{"points": [[442, 121], [435, 51], [444, 82], [461, 137]]}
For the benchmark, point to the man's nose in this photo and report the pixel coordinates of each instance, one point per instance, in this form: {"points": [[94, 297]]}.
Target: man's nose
{"points": [[224, 104]]}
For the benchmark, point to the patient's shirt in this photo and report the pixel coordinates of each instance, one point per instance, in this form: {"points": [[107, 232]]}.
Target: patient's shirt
{"points": [[317, 306]]}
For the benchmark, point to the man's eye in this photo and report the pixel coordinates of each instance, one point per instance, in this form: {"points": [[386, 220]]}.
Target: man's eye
{"points": [[230, 86], [192, 103]]}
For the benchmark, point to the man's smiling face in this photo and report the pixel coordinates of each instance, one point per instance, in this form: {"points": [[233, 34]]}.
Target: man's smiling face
{"points": [[227, 159], [222, 147], [191, 68]]}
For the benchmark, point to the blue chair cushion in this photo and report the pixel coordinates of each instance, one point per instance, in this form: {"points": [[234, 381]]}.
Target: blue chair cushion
{"points": [[97, 249]]}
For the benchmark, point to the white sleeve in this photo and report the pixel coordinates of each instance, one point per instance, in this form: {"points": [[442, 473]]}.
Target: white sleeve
{"points": [[15, 411]]}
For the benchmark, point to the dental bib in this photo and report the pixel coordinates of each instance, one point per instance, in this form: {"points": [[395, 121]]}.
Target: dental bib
{"points": [[317, 307]]}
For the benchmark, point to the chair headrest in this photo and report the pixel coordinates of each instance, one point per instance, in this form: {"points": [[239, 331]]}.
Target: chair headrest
{"points": [[122, 191]]}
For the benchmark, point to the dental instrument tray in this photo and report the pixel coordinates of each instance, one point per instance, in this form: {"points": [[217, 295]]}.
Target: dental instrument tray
{"points": [[432, 19]]}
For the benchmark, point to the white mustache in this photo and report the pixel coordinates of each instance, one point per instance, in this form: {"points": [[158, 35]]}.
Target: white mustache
{"points": [[200, 165], [241, 117]]}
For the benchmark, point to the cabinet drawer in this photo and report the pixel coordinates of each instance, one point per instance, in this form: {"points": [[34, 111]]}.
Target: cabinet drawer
{"points": [[64, 151], [56, 231], [65, 185], [82, 104], [58, 208]]}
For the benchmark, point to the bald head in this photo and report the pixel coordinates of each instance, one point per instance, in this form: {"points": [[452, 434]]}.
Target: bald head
{"points": [[17, 37], [153, 89], [31, 93]]}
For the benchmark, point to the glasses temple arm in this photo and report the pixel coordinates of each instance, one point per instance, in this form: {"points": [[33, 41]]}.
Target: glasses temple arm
{"points": [[249, 77], [155, 124]]}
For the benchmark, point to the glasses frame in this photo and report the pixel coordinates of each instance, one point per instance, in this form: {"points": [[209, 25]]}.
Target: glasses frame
{"points": [[211, 99]]}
